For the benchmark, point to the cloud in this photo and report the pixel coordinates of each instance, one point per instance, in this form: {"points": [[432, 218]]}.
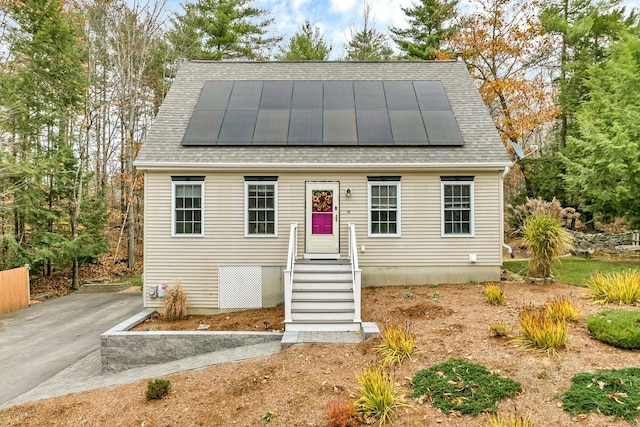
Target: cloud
{"points": [[342, 6]]}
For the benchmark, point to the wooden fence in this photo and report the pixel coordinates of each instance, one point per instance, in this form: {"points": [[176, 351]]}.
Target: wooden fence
{"points": [[14, 289]]}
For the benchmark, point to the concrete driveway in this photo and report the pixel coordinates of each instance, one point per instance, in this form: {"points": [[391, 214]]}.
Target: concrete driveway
{"points": [[39, 341]]}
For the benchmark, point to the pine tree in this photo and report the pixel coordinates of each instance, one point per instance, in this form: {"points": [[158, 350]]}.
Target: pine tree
{"points": [[366, 43], [307, 44], [430, 26]]}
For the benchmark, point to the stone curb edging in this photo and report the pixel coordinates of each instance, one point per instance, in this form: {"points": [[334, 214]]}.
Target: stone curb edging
{"points": [[122, 349]]}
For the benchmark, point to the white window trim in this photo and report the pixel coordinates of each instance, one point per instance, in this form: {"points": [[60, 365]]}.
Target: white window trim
{"points": [[471, 212], [398, 232], [275, 209], [173, 208]]}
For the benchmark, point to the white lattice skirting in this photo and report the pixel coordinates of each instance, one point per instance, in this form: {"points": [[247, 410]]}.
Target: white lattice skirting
{"points": [[240, 286]]}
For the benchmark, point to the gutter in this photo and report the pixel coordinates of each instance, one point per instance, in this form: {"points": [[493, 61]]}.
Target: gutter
{"points": [[211, 166]]}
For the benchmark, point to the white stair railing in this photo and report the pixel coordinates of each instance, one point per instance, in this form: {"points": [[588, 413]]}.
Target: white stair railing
{"points": [[356, 273], [288, 273]]}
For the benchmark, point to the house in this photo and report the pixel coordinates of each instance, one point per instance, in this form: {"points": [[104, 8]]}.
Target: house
{"points": [[300, 182]]}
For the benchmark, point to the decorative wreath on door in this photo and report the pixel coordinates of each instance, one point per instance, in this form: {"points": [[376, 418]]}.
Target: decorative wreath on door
{"points": [[322, 201]]}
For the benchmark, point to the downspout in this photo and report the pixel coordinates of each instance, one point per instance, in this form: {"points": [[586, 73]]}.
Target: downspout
{"points": [[504, 175]]}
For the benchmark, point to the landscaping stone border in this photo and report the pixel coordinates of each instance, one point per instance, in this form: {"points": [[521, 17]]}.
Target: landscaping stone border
{"points": [[122, 349]]}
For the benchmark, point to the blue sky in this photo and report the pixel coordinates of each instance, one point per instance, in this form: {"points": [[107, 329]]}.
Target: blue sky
{"points": [[336, 17]]}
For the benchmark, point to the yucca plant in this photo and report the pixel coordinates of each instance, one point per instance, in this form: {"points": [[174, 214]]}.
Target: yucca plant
{"points": [[561, 310], [398, 343], [494, 294], [503, 421], [547, 239], [619, 287], [541, 332], [176, 303], [377, 395]]}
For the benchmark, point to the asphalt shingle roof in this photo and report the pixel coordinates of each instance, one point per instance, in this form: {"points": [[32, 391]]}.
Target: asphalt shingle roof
{"points": [[163, 147]]}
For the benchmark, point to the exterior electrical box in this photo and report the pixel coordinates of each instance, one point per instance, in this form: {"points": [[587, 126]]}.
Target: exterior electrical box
{"points": [[153, 291], [162, 290]]}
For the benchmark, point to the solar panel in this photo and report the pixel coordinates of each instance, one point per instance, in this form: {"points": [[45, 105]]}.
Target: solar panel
{"points": [[237, 127], [339, 128], [373, 128], [272, 127], [307, 95], [276, 95], [203, 128], [245, 95], [369, 95], [407, 128], [442, 128], [400, 96], [214, 96], [335, 112], [338, 95], [305, 127], [431, 96]]}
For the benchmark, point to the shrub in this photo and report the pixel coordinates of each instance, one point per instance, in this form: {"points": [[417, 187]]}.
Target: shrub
{"points": [[175, 303], [612, 392], [502, 421], [619, 328], [398, 343], [157, 389], [619, 287], [494, 294], [561, 310], [460, 386], [499, 329], [342, 413], [377, 394], [546, 238], [541, 332]]}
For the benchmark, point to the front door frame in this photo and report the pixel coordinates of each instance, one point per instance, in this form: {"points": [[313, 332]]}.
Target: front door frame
{"points": [[322, 246]]}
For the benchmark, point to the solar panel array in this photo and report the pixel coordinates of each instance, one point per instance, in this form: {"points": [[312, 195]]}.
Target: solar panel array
{"points": [[275, 112]]}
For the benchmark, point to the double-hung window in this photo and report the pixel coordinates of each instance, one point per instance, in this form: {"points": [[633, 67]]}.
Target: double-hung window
{"points": [[187, 208], [457, 205], [384, 206], [261, 206]]}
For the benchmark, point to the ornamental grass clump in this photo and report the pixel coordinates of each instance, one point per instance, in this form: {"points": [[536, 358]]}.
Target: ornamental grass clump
{"points": [[377, 396], [611, 392], [176, 303], [504, 421], [499, 329], [562, 310], [398, 343], [619, 287], [494, 294], [461, 387], [547, 239], [619, 328], [541, 332]]}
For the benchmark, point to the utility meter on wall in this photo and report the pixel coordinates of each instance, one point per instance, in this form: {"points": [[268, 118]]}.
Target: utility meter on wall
{"points": [[153, 291]]}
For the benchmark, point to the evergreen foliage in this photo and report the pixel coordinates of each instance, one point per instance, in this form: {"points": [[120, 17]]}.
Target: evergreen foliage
{"points": [[603, 158], [430, 26], [366, 43], [463, 387], [619, 328], [307, 44], [224, 29], [611, 392]]}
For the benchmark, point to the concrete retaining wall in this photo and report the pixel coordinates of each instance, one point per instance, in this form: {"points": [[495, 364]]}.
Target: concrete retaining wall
{"points": [[123, 350]]}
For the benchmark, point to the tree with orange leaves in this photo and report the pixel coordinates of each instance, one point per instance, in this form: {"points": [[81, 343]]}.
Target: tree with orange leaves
{"points": [[504, 45]]}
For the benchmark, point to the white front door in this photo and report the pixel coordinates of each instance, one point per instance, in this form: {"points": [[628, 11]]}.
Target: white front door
{"points": [[322, 220]]}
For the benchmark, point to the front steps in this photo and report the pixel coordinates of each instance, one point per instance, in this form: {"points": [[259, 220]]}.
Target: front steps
{"points": [[322, 297]]}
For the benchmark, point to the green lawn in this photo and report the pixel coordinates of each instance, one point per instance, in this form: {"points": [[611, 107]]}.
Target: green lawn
{"points": [[575, 270], [134, 280]]}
